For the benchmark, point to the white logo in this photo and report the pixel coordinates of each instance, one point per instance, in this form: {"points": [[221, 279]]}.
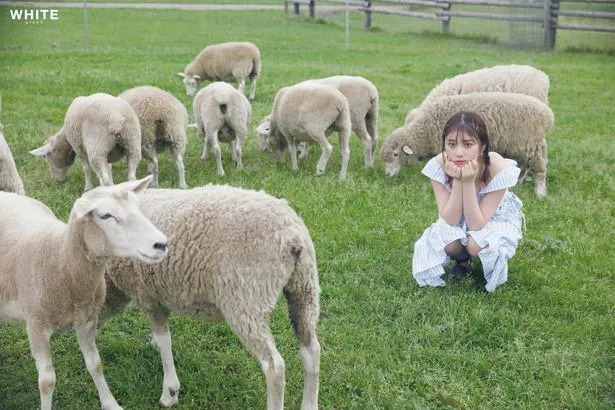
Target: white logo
{"points": [[34, 16]]}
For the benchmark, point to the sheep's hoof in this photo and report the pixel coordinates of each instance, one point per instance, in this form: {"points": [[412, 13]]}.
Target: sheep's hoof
{"points": [[220, 173], [169, 399], [320, 172]]}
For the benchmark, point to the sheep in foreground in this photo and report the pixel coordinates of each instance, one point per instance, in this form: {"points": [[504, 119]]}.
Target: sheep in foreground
{"points": [[520, 79], [517, 126], [163, 119], [99, 129], [234, 252], [222, 114], [52, 273], [308, 111], [230, 62], [10, 181]]}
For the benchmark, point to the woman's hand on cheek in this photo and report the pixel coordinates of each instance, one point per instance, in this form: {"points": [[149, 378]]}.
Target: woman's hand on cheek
{"points": [[469, 171]]}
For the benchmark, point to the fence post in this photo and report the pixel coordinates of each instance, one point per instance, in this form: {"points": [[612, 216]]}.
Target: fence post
{"points": [[368, 14], [312, 8], [296, 8], [550, 23], [446, 21]]}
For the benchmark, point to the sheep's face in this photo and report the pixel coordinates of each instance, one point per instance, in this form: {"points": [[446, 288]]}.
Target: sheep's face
{"points": [[396, 153], [113, 226], [264, 130], [191, 83], [58, 159]]}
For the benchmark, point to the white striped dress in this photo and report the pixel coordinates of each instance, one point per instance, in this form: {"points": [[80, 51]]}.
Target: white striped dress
{"points": [[499, 237]]}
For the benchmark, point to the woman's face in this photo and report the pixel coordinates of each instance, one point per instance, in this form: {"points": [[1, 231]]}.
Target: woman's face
{"points": [[461, 148]]}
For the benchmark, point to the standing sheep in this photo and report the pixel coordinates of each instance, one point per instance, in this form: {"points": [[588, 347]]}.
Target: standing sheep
{"points": [[99, 129], [234, 252], [163, 119], [520, 79], [10, 181], [517, 126], [308, 111], [222, 114], [52, 273], [230, 62]]}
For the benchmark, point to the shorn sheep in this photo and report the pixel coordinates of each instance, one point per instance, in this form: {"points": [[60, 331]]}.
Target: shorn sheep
{"points": [[222, 114], [52, 273], [308, 111], [230, 62], [163, 119], [10, 181], [512, 78], [517, 126], [99, 129], [234, 251]]}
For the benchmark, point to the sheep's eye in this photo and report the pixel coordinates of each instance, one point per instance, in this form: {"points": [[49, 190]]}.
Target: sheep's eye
{"points": [[396, 154], [106, 216]]}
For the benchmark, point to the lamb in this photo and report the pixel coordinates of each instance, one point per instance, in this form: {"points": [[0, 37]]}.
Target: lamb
{"points": [[234, 252], [52, 273], [163, 120], [520, 79], [10, 181], [99, 129], [308, 111], [517, 125], [230, 62], [222, 114]]}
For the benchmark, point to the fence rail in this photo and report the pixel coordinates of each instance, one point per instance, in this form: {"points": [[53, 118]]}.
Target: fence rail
{"points": [[550, 19]]}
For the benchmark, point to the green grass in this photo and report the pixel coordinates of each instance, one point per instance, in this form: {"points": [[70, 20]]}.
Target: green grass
{"points": [[544, 340]]}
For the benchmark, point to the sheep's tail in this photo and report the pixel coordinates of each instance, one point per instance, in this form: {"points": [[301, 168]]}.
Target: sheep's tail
{"points": [[256, 68], [302, 291], [371, 121], [116, 125]]}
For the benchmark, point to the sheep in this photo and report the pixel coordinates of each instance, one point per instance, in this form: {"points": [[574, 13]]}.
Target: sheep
{"points": [[222, 114], [99, 129], [308, 111], [52, 273], [10, 181], [234, 252], [517, 125], [521, 79], [163, 119], [230, 62]]}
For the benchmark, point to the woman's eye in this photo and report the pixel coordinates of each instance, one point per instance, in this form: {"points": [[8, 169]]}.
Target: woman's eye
{"points": [[106, 216]]}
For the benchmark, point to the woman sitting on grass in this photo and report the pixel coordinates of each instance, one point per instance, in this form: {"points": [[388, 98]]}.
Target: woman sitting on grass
{"points": [[478, 215]]}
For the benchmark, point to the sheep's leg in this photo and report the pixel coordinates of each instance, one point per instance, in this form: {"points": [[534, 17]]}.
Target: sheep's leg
{"points": [[87, 171], [39, 346], [161, 341], [304, 150], [366, 140], [523, 175], [110, 172], [215, 146], [321, 166], [242, 85], [252, 87], [310, 355], [200, 134], [238, 152], [133, 162], [152, 164], [540, 173], [204, 154], [100, 167], [292, 148], [86, 336], [344, 137], [179, 161]]}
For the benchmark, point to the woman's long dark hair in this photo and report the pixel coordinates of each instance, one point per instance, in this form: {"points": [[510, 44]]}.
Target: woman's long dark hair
{"points": [[471, 124]]}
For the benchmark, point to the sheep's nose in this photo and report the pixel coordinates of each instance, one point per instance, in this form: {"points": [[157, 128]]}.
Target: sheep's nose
{"points": [[160, 246]]}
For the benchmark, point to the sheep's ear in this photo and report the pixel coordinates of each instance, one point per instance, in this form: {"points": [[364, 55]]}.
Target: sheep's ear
{"points": [[182, 75], [43, 150], [137, 186], [407, 150], [81, 208], [196, 77]]}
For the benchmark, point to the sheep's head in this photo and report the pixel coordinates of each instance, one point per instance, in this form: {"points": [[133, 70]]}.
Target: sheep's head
{"points": [[191, 82], [396, 152], [264, 130], [59, 156]]}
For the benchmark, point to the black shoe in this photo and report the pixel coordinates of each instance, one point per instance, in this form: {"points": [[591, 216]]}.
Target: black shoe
{"points": [[462, 268]]}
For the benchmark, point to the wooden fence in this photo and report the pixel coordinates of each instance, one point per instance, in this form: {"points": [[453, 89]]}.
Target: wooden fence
{"points": [[549, 20]]}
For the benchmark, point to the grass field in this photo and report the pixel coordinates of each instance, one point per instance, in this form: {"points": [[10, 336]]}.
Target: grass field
{"points": [[546, 339]]}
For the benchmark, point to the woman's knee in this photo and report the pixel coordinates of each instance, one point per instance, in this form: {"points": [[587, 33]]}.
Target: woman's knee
{"points": [[454, 248], [473, 248]]}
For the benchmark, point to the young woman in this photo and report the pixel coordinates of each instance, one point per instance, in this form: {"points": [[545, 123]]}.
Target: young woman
{"points": [[478, 215]]}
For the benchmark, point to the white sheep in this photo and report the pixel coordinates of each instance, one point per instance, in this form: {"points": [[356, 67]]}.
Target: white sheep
{"points": [[163, 119], [517, 125], [512, 78], [234, 252], [10, 181], [230, 62], [52, 273], [99, 129], [308, 111], [222, 114]]}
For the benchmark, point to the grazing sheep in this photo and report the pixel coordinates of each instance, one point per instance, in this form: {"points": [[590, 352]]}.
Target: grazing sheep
{"points": [[163, 119], [520, 79], [234, 252], [308, 111], [517, 126], [99, 129], [10, 181], [230, 62], [222, 114], [52, 273]]}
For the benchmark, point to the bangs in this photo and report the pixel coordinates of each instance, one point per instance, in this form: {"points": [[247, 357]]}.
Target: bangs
{"points": [[461, 129]]}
